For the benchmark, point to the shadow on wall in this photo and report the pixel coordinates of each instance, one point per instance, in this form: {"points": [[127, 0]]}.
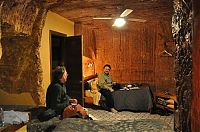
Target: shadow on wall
{"points": [[88, 67], [16, 99]]}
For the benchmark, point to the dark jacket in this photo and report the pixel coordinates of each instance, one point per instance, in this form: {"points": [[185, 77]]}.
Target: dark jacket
{"points": [[56, 97]]}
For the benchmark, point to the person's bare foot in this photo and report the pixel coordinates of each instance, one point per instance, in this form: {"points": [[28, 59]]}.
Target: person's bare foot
{"points": [[113, 110]]}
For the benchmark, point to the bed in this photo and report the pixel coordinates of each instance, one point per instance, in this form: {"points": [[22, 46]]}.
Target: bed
{"points": [[130, 97], [133, 98]]}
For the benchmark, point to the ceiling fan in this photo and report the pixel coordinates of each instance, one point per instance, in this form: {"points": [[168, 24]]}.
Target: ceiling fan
{"points": [[120, 21]]}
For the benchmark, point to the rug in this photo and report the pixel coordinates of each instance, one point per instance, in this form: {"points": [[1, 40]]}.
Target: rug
{"points": [[81, 125]]}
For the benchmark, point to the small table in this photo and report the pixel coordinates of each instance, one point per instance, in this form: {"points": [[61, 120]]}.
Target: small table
{"points": [[13, 127]]}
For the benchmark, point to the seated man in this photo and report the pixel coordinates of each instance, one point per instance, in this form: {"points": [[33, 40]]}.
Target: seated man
{"points": [[105, 84], [57, 98]]}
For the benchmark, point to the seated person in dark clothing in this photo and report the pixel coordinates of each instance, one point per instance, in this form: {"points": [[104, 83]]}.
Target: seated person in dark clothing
{"points": [[57, 98], [105, 84]]}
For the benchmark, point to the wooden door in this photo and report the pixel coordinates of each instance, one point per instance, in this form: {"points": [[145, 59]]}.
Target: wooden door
{"points": [[72, 53], [67, 51]]}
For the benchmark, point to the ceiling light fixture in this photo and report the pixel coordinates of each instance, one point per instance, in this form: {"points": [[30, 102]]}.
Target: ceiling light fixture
{"points": [[119, 22]]}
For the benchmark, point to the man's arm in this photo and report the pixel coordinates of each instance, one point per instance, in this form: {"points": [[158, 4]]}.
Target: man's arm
{"points": [[103, 84]]}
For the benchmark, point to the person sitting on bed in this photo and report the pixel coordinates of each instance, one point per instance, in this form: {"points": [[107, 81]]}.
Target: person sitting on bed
{"points": [[105, 84], [57, 98]]}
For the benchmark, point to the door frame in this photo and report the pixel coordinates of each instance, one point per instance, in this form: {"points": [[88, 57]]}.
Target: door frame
{"points": [[51, 32]]}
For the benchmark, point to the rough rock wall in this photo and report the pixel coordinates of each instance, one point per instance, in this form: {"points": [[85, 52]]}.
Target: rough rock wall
{"points": [[21, 27], [182, 33]]}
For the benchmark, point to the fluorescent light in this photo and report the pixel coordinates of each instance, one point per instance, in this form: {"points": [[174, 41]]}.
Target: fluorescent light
{"points": [[119, 22]]}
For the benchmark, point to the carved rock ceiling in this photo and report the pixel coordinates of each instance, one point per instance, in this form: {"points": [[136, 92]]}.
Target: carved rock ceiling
{"points": [[83, 11]]}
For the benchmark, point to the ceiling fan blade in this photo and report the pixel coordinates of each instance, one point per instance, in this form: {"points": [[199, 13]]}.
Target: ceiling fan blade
{"points": [[136, 20], [126, 12], [102, 18], [114, 25]]}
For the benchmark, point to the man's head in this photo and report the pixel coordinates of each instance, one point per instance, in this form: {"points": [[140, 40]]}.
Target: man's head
{"points": [[107, 69], [60, 73]]}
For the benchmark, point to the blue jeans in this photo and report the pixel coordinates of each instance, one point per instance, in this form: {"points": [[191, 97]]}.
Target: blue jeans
{"points": [[109, 98]]}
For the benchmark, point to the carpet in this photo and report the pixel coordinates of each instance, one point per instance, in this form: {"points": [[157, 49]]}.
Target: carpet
{"points": [[105, 121], [81, 125], [128, 115]]}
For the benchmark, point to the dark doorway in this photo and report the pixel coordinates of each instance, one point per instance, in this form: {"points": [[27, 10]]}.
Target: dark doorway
{"points": [[67, 51], [57, 50]]}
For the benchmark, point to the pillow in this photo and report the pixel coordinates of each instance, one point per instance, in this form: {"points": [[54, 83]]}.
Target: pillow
{"points": [[93, 85]]}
